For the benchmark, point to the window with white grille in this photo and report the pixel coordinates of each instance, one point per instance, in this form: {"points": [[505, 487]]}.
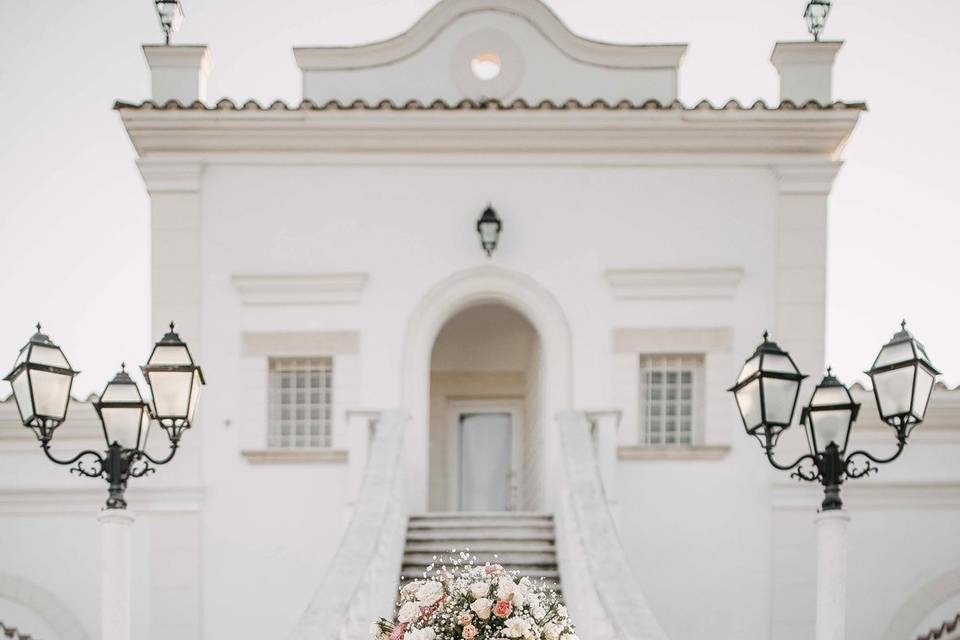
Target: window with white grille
{"points": [[300, 406], [670, 399]]}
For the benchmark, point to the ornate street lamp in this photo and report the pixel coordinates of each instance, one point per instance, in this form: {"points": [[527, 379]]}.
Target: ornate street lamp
{"points": [[766, 392], [175, 381], [170, 13], [816, 17], [489, 226], [42, 378], [902, 379]]}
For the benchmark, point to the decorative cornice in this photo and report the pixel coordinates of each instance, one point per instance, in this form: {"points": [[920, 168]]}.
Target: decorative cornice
{"points": [[170, 175], [688, 284], [300, 289], [187, 56], [821, 52], [475, 129], [295, 456], [426, 29], [807, 179], [299, 343], [671, 339]]}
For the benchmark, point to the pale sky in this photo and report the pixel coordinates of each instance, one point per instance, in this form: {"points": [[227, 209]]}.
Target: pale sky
{"points": [[74, 214]]}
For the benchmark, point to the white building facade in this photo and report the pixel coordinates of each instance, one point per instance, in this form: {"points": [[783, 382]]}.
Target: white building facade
{"points": [[367, 360]]}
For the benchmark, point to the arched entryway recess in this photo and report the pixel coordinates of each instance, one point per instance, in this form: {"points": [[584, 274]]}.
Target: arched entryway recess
{"points": [[454, 294]]}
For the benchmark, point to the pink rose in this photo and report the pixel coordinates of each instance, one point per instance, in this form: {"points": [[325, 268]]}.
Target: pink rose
{"points": [[502, 609], [492, 569], [398, 631]]}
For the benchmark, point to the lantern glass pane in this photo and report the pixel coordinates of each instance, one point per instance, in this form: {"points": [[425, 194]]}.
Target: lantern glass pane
{"points": [[894, 390], [121, 393], [775, 362], [170, 355], [825, 396], [171, 392], [145, 430], [779, 397], [831, 426], [21, 389], [49, 356], [488, 231], [194, 396], [122, 425], [894, 353], [21, 357], [748, 399], [50, 393], [921, 393], [750, 367]]}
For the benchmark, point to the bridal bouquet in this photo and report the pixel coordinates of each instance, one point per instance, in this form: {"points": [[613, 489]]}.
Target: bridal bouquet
{"points": [[472, 602]]}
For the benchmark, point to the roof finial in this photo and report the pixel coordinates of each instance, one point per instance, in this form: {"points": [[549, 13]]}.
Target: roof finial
{"points": [[903, 324], [38, 327], [829, 371], [123, 366], [171, 326], [766, 336]]}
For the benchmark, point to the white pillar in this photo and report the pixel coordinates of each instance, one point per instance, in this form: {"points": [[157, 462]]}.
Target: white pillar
{"points": [[806, 70], [116, 528], [831, 574], [178, 72]]}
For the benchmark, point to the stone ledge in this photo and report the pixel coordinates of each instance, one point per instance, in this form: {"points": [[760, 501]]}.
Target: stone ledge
{"points": [[295, 456], [654, 452]]}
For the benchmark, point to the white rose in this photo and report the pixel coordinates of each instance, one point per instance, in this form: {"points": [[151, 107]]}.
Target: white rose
{"points": [[552, 631], [482, 607], [562, 610], [479, 589], [538, 611], [411, 588], [427, 633], [506, 587], [429, 593], [516, 627], [408, 612]]}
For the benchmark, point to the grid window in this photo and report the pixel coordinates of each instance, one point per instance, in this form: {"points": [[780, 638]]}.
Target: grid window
{"points": [[670, 392], [301, 413]]}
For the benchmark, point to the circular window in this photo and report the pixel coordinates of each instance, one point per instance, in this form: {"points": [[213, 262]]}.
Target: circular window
{"points": [[485, 66]]}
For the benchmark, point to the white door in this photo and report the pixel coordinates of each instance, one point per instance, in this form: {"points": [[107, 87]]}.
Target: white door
{"points": [[485, 461]]}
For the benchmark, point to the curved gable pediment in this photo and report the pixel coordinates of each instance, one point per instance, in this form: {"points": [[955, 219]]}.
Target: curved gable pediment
{"points": [[501, 49]]}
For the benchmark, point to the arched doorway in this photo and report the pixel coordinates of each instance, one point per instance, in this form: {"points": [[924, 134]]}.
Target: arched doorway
{"points": [[472, 289], [484, 427]]}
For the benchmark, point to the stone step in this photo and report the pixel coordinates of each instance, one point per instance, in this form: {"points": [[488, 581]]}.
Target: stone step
{"points": [[481, 514], [480, 523], [505, 558], [415, 571], [457, 538], [481, 546]]}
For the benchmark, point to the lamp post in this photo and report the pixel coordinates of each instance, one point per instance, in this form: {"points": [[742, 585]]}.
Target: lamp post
{"points": [[766, 394], [42, 379]]}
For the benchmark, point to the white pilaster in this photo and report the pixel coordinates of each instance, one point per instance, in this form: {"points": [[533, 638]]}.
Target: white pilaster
{"points": [[116, 530], [175, 276], [806, 70], [831, 574], [178, 72], [800, 262]]}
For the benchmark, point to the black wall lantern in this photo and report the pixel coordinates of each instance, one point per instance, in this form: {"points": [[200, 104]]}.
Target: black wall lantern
{"points": [[816, 15], [170, 13], [489, 227]]}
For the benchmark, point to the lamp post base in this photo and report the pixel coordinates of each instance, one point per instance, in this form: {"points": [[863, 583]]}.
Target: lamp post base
{"points": [[116, 528], [831, 574]]}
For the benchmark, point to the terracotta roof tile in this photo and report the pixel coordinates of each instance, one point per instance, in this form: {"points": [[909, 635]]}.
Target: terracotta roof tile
{"points": [[519, 104]]}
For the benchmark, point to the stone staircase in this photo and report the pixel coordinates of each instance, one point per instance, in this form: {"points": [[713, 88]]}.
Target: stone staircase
{"points": [[521, 541]]}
